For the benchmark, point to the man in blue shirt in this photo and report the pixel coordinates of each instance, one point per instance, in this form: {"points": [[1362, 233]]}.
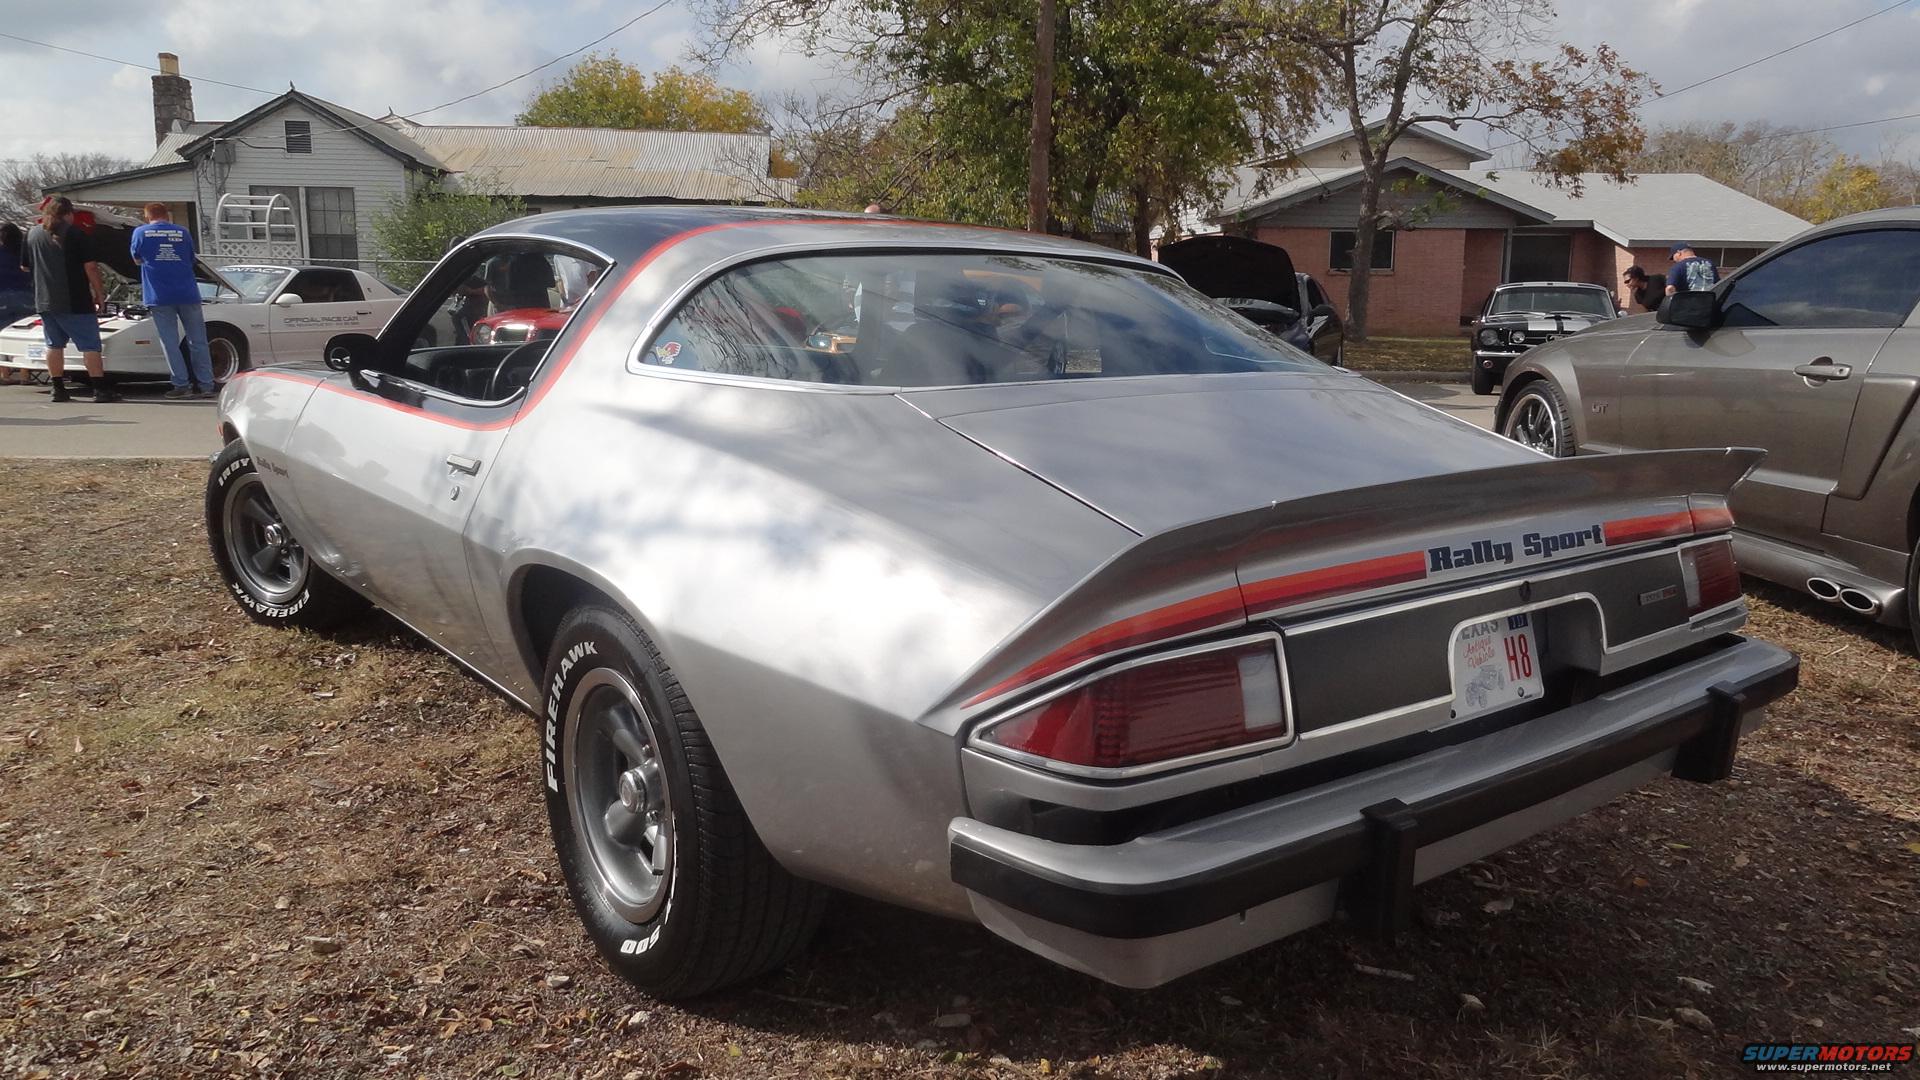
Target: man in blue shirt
{"points": [[1690, 272], [172, 294]]}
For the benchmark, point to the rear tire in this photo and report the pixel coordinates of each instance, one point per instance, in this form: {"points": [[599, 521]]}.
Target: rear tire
{"points": [[227, 349], [262, 565], [671, 882], [1539, 419], [1913, 596]]}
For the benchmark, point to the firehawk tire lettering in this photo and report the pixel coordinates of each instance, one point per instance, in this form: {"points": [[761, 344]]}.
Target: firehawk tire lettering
{"points": [[730, 912], [321, 602]]}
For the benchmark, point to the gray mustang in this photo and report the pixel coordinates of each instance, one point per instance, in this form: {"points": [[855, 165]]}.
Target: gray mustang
{"points": [[1810, 352], [992, 574]]}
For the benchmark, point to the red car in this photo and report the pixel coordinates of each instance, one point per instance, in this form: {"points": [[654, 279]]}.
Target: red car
{"points": [[519, 324]]}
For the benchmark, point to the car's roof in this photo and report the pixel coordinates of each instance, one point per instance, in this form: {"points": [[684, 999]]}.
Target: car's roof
{"points": [[1550, 284], [625, 233]]}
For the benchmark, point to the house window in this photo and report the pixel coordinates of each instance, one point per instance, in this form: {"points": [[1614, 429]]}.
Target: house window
{"points": [[299, 137], [282, 227], [1341, 257], [332, 227]]}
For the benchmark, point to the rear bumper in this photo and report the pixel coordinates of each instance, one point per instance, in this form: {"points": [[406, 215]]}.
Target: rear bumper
{"points": [[1156, 907]]}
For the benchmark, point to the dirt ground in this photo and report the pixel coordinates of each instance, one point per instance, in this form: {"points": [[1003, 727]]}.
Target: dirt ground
{"points": [[229, 851], [1408, 354]]}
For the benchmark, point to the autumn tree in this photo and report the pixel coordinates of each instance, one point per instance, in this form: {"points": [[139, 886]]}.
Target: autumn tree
{"points": [[1390, 64], [605, 91], [1847, 185], [415, 228], [1772, 164]]}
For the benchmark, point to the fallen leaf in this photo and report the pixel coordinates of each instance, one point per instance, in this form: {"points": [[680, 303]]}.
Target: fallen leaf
{"points": [[1470, 1003], [1498, 907], [1698, 986], [953, 1020], [1693, 1018]]}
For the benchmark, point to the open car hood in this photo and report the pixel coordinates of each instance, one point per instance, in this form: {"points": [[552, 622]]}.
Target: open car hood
{"points": [[1234, 266]]}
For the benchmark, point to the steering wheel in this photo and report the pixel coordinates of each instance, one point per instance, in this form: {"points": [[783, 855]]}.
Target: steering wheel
{"points": [[500, 386]]}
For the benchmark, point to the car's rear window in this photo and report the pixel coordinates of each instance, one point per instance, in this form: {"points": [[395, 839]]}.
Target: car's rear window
{"points": [[949, 319]]}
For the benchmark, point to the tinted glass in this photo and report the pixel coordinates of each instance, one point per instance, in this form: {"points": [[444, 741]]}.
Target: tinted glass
{"points": [[325, 286], [957, 319], [1340, 256], [1856, 279], [254, 283], [1553, 301]]}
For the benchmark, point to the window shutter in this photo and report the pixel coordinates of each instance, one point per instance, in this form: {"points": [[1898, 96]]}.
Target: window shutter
{"points": [[299, 137]]}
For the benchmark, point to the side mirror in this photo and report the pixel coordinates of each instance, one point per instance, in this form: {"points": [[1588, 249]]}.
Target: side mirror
{"points": [[351, 352], [1690, 310], [1323, 311], [287, 299]]}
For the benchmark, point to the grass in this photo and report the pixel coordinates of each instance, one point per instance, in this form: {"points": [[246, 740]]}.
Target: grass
{"points": [[1408, 354], [232, 852]]}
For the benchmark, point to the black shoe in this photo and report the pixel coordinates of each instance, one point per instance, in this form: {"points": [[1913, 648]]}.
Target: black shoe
{"points": [[104, 396], [60, 393], [178, 393]]}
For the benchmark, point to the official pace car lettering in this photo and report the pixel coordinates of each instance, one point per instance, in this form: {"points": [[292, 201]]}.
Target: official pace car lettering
{"points": [[1532, 546], [567, 662]]}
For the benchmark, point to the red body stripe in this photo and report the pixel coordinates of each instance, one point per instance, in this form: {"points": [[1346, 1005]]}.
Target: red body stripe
{"points": [[1708, 519], [1335, 580], [1651, 527], [1199, 613]]}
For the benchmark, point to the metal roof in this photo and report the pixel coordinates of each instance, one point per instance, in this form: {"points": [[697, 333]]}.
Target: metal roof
{"points": [[603, 163], [1655, 210]]}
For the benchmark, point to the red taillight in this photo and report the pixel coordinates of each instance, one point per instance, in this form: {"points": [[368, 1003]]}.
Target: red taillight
{"points": [[1157, 711], [1709, 575]]}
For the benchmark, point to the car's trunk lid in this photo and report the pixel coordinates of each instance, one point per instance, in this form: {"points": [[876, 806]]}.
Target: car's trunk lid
{"points": [[1156, 453], [1234, 266]]}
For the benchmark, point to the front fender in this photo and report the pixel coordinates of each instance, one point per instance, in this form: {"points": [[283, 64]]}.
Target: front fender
{"points": [[1553, 363]]}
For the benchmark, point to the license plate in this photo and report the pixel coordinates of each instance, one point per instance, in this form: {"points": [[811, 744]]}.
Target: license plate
{"points": [[1496, 664], [36, 352]]}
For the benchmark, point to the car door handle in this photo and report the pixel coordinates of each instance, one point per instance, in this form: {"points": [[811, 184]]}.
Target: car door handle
{"points": [[1823, 368], [363, 311], [468, 465]]}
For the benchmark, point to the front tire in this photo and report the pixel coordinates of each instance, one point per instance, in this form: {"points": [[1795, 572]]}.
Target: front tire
{"points": [[1540, 420], [673, 885], [265, 569], [1484, 382]]}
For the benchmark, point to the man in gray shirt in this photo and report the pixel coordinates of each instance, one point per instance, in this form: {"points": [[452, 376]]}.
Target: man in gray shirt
{"points": [[66, 295]]}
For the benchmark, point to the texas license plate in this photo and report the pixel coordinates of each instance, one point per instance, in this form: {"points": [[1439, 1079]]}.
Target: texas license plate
{"points": [[1496, 664], [37, 353]]}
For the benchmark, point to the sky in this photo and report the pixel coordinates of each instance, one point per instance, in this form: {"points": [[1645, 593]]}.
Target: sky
{"points": [[408, 55]]}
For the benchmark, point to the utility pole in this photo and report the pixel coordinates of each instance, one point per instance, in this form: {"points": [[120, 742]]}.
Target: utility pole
{"points": [[1040, 141]]}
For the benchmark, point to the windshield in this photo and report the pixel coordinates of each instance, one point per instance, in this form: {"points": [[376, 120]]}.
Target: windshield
{"points": [[956, 319], [1553, 301], [255, 283]]}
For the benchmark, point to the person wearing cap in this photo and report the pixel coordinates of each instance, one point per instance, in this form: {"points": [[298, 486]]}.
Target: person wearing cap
{"points": [[1690, 272], [1641, 290]]}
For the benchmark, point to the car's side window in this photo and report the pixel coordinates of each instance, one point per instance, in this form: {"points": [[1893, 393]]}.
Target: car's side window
{"points": [[490, 318], [325, 286], [1862, 279]]}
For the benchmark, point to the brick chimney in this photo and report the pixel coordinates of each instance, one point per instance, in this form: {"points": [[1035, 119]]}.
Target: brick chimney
{"points": [[172, 98]]}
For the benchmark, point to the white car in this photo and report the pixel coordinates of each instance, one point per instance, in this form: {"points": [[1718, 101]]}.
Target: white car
{"points": [[256, 315]]}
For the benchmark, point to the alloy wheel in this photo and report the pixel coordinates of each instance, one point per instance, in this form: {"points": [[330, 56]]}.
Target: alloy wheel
{"points": [[225, 356], [1535, 425], [620, 804], [264, 554]]}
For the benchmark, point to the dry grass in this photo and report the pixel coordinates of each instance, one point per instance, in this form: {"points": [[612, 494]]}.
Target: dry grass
{"points": [[1409, 354], [197, 811]]}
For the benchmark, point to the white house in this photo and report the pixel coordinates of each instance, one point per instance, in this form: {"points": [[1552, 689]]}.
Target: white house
{"points": [[337, 168]]}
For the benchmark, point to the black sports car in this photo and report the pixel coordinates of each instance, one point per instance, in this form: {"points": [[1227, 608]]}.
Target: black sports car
{"points": [[1518, 316]]}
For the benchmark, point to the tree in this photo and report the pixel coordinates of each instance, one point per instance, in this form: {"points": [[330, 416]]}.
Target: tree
{"points": [[21, 181], [1846, 186], [415, 229], [605, 91], [1771, 164], [1152, 99], [1449, 62]]}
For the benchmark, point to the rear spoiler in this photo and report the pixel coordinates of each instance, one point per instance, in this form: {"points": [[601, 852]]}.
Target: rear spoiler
{"points": [[1332, 548]]}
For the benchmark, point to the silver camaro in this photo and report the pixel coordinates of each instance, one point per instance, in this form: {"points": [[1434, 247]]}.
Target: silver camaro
{"points": [[996, 575]]}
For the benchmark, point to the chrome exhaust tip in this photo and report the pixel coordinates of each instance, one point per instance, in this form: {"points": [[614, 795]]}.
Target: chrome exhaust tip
{"points": [[1824, 589], [1861, 601]]}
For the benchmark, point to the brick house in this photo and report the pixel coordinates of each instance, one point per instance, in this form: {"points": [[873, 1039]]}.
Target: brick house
{"points": [[1466, 228]]}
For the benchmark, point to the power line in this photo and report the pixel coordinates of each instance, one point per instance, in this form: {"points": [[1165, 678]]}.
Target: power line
{"points": [[1836, 127], [1736, 70], [131, 63]]}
